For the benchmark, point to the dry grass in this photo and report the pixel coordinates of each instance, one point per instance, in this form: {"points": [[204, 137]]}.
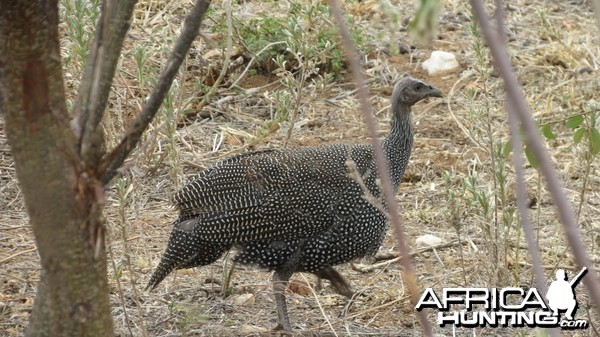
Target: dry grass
{"points": [[555, 48]]}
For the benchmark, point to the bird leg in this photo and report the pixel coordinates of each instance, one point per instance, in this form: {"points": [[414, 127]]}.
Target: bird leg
{"points": [[280, 281], [338, 282]]}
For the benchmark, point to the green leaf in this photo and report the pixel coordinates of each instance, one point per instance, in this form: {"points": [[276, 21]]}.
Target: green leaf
{"points": [[424, 24], [574, 122], [595, 141], [578, 135], [531, 158], [547, 132], [507, 149]]}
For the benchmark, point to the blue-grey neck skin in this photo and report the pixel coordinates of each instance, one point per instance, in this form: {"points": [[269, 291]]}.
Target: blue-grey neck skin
{"points": [[398, 144]]}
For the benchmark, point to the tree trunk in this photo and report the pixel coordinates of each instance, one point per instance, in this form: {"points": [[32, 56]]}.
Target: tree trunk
{"points": [[64, 202]]}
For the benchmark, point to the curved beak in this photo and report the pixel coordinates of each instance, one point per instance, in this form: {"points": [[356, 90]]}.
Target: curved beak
{"points": [[435, 92]]}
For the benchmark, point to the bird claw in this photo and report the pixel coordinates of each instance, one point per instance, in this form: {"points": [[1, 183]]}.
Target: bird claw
{"points": [[338, 283], [283, 329]]}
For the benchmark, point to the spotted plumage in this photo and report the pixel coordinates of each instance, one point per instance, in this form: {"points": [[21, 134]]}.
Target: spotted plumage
{"points": [[296, 210]]}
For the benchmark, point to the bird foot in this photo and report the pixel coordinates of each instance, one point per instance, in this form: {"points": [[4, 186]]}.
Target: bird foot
{"points": [[283, 330], [338, 283]]}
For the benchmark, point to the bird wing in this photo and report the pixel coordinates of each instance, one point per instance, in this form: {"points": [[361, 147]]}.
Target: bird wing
{"points": [[272, 195]]}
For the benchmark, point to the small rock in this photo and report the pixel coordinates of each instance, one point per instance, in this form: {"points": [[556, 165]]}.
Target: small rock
{"points": [[428, 240], [299, 287], [403, 48], [557, 60], [243, 299], [440, 62], [248, 329]]}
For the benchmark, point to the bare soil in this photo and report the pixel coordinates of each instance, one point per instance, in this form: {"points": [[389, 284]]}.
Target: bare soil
{"points": [[556, 59]]}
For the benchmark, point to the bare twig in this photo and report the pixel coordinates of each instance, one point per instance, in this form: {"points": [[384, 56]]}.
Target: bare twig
{"points": [[377, 308], [522, 203], [17, 254], [252, 60], [312, 290], [127, 252], [500, 25], [459, 123], [382, 165], [520, 108], [98, 75], [119, 286], [367, 195], [596, 4], [393, 259], [113, 161], [298, 102], [554, 267], [226, 59], [563, 120]]}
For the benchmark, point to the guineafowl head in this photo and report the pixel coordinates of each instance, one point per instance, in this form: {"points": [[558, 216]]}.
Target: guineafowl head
{"points": [[409, 91]]}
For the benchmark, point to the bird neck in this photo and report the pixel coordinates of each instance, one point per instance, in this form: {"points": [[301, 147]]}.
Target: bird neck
{"points": [[398, 144]]}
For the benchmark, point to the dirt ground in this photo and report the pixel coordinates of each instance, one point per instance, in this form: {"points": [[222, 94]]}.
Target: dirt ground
{"points": [[555, 49]]}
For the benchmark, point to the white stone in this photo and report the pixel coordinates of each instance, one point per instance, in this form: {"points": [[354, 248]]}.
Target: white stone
{"points": [[440, 62], [428, 240], [243, 299]]}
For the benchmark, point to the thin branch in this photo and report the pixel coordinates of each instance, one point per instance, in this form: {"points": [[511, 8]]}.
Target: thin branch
{"points": [[367, 195], [382, 165], [98, 75], [596, 4], [17, 254], [252, 60], [533, 139], [393, 258], [119, 286], [564, 120], [517, 148], [532, 247], [298, 102], [500, 25], [226, 59], [316, 297], [461, 126], [113, 161]]}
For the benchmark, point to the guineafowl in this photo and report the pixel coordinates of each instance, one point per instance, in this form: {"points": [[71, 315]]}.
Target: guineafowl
{"points": [[294, 210]]}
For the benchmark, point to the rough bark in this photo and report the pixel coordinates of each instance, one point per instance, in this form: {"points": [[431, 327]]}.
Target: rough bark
{"points": [[97, 79], [64, 202], [57, 167], [113, 161]]}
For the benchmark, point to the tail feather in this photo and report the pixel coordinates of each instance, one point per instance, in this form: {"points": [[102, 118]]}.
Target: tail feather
{"points": [[185, 250]]}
